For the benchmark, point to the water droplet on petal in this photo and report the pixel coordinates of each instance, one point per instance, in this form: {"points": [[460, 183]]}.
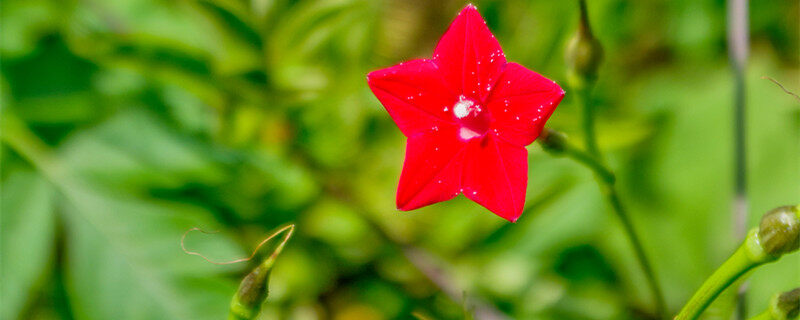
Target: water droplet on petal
{"points": [[462, 107]]}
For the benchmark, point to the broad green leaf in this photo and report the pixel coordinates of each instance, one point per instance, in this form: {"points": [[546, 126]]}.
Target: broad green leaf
{"points": [[136, 149], [27, 222], [123, 256], [124, 259]]}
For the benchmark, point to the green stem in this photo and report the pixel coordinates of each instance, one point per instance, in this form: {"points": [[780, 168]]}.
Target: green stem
{"points": [[606, 178], [633, 237], [587, 121], [601, 172], [749, 255]]}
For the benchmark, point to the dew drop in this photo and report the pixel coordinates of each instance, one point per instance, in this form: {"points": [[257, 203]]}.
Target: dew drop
{"points": [[461, 109]]}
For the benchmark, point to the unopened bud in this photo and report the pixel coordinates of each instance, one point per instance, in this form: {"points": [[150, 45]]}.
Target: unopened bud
{"points": [[252, 291], [552, 141], [787, 304], [779, 231], [254, 288], [584, 53]]}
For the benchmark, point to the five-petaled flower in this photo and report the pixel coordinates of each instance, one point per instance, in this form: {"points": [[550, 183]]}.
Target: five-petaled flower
{"points": [[468, 115]]}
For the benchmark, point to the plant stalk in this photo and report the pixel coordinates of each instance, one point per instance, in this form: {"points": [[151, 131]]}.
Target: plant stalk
{"points": [[748, 256], [555, 143], [607, 184]]}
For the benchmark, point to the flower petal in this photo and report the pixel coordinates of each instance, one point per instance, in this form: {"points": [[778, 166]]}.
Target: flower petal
{"points": [[496, 176], [521, 103], [432, 169], [469, 56], [414, 94]]}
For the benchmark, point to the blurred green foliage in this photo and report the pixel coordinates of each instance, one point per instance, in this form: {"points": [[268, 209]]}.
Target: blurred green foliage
{"points": [[127, 122]]}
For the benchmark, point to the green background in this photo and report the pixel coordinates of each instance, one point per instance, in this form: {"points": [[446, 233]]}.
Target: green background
{"points": [[128, 122]]}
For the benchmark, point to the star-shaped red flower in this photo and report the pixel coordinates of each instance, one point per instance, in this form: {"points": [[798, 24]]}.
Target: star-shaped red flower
{"points": [[468, 115]]}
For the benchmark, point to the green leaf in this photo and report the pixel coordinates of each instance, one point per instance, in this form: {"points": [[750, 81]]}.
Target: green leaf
{"points": [[124, 259], [26, 240], [135, 149], [123, 256]]}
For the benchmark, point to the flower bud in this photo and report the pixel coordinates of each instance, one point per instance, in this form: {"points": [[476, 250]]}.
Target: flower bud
{"points": [[254, 288], [252, 291], [552, 141], [779, 231], [583, 54], [787, 304]]}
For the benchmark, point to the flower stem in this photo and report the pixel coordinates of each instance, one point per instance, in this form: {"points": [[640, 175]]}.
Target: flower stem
{"points": [[748, 256], [627, 224], [583, 56], [556, 143], [606, 179], [587, 121]]}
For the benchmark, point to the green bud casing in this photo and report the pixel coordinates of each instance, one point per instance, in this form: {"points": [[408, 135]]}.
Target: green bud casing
{"points": [[252, 291], [552, 141], [787, 304], [584, 53], [779, 231]]}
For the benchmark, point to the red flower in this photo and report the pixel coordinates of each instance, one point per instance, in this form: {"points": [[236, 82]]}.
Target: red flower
{"points": [[468, 115]]}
